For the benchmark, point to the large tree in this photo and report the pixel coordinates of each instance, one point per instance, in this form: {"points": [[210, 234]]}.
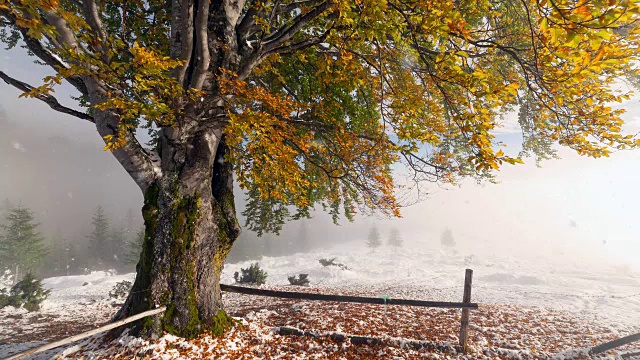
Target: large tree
{"points": [[311, 102]]}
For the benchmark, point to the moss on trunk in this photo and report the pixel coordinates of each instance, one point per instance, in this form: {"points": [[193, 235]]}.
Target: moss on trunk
{"points": [[190, 227]]}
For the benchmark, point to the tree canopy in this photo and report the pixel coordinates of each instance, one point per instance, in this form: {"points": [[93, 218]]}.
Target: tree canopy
{"points": [[318, 99]]}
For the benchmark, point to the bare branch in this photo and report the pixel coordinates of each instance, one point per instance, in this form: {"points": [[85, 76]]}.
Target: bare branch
{"points": [[276, 41], [91, 13], [285, 33], [246, 26], [302, 45], [48, 99], [232, 9], [203, 57], [66, 38], [182, 36]]}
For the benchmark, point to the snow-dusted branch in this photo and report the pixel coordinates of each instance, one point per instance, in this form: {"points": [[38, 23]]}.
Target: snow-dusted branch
{"points": [[286, 33], [48, 99]]}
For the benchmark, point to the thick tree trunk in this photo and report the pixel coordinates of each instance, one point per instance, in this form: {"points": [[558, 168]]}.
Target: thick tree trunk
{"points": [[190, 223]]}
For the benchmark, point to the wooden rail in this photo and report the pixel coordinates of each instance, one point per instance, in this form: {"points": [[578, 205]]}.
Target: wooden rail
{"points": [[615, 343], [341, 298], [631, 355], [85, 334]]}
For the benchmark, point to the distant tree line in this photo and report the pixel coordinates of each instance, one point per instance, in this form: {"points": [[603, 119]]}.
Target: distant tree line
{"points": [[295, 239], [374, 238], [115, 242], [111, 244]]}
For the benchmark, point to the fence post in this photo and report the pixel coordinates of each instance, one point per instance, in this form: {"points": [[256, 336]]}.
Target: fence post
{"points": [[464, 323]]}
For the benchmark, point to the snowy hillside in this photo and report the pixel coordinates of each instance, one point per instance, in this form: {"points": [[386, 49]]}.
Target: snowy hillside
{"points": [[528, 309]]}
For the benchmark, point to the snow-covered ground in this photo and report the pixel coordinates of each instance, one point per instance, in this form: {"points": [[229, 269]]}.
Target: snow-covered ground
{"points": [[528, 309]]}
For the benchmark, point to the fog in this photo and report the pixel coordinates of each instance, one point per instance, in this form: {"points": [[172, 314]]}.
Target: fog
{"points": [[572, 210]]}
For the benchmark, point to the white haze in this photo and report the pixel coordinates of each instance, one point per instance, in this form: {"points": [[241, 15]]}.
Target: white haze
{"points": [[577, 209]]}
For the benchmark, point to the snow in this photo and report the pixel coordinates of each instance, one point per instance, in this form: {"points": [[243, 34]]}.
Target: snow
{"points": [[529, 309], [18, 146]]}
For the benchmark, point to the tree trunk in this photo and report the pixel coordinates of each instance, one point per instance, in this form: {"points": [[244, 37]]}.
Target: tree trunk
{"points": [[190, 226]]}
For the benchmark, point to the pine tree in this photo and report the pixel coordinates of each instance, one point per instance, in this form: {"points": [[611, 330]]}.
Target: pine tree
{"points": [[134, 248], [446, 239], [130, 225], [395, 239], [118, 244], [126, 240], [373, 240], [59, 255], [99, 244], [22, 247]]}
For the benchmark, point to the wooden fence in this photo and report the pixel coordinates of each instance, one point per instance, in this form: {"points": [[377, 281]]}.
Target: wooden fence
{"points": [[466, 305]]}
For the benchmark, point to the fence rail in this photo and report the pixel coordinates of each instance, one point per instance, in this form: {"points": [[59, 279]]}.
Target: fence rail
{"points": [[343, 298], [615, 343], [85, 334]]}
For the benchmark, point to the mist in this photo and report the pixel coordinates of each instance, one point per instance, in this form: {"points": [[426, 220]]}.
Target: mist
{"points": [[575, 209]]}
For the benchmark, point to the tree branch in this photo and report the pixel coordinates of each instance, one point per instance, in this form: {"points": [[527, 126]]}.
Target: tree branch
{"points": [[203, 57], [182, 37], [284, 34], [91, 13], [66, 38], [48, 99], [40, 51]]}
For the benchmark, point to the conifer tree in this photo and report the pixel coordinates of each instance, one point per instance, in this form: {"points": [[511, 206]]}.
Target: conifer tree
{"points": [[118, 244], [130, 225], [126, 239], [99, 244], [58, 256], [134, 247], [446, 239], [22, 247], [373, 240], [395, 239]]}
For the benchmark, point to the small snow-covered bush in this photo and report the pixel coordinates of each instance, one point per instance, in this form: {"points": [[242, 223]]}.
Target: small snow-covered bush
{"points": [[252, 275], [332, 262], [7, 300], [120, 290], [28, 292], [300, 280]]}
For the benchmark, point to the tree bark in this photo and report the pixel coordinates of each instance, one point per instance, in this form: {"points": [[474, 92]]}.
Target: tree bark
{"points": [[190, 226]]}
